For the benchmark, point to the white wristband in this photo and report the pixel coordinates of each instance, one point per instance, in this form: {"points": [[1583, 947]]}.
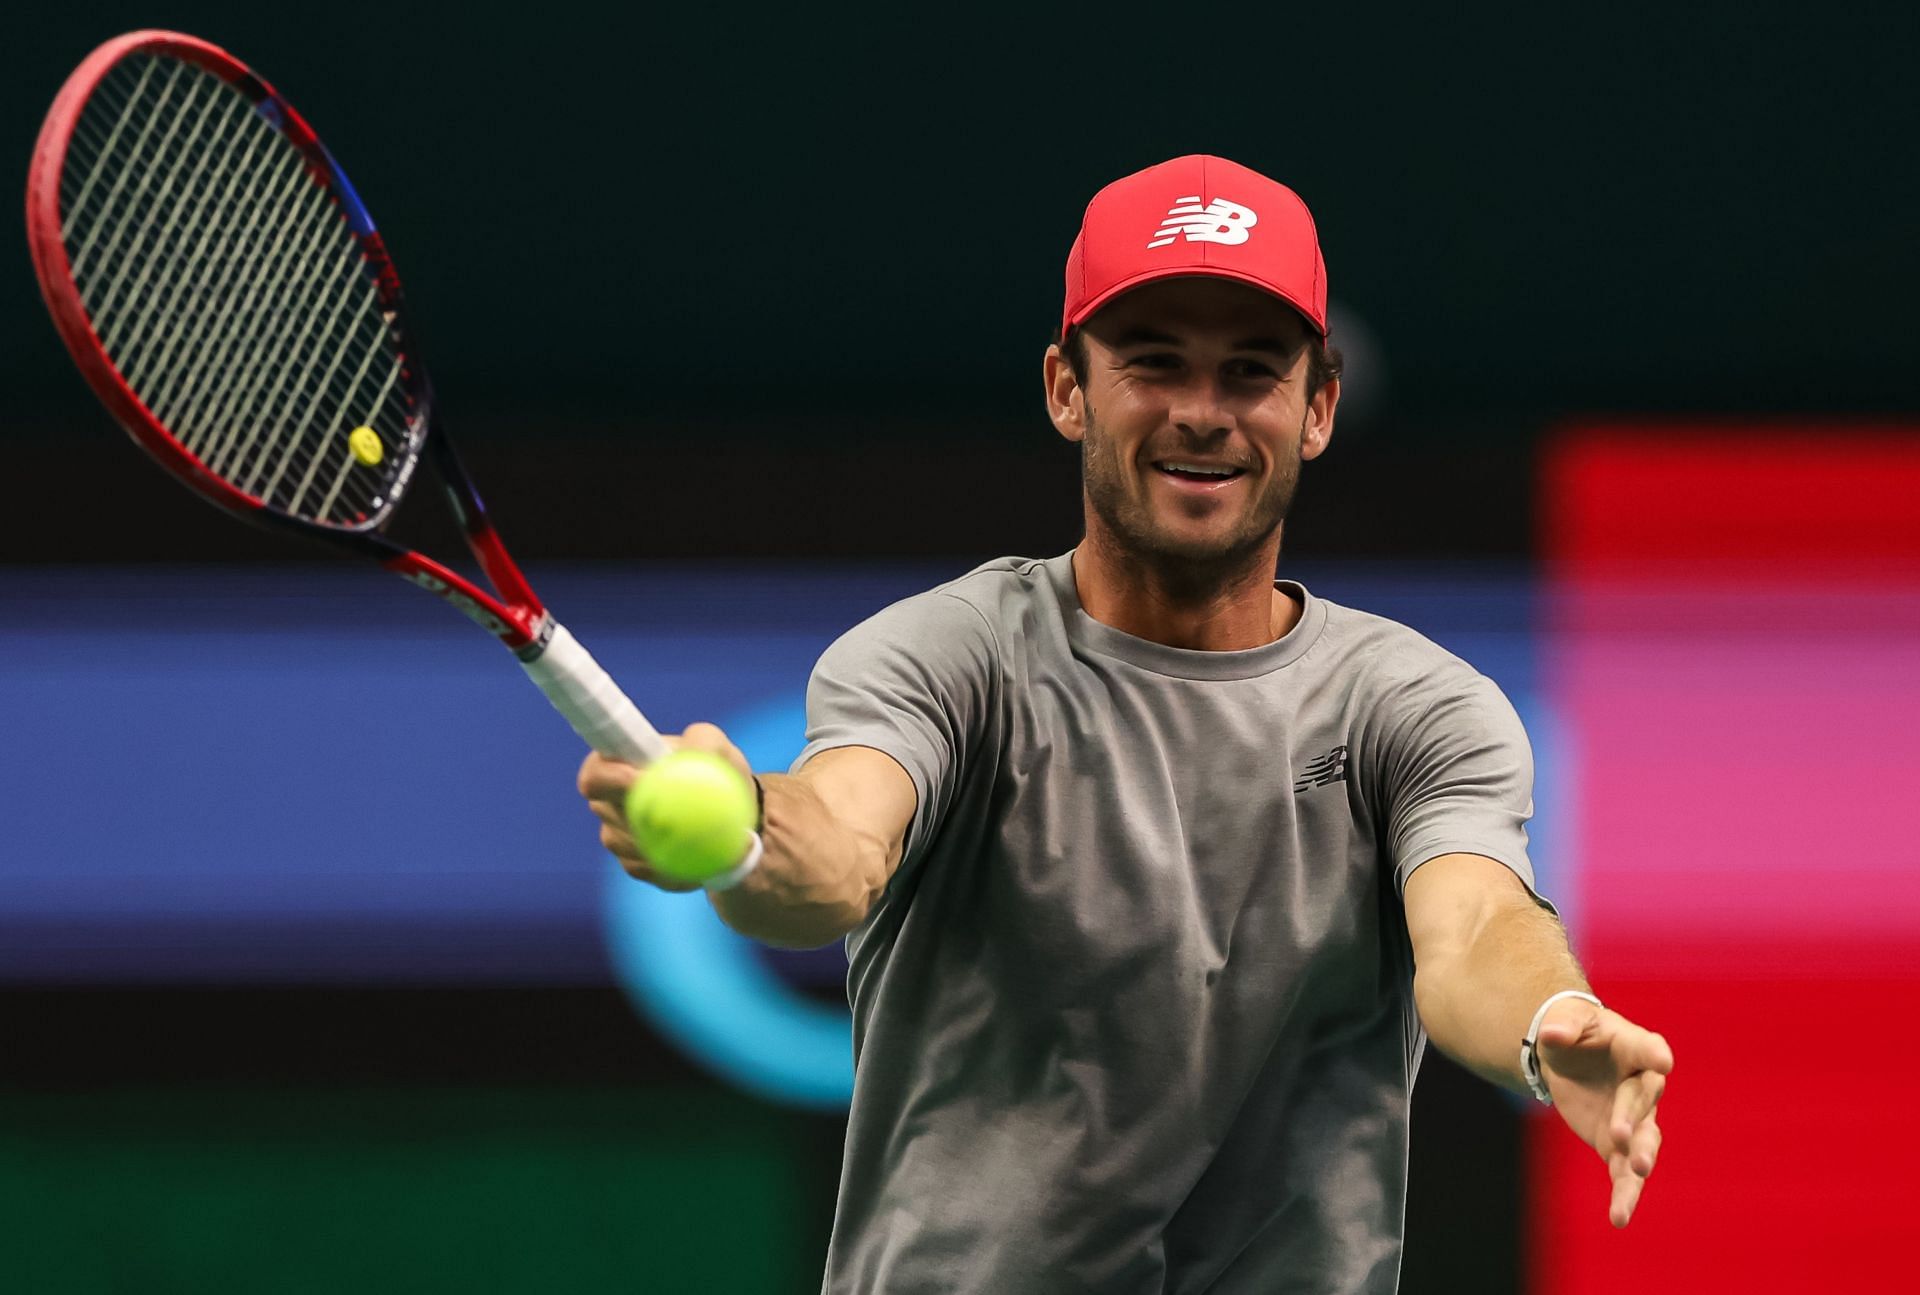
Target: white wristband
{"points": [[1529, 1046], [740, 871]]}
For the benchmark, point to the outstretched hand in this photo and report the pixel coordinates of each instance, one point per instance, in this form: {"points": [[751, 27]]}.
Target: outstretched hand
{"points": [[1607, 1075]]}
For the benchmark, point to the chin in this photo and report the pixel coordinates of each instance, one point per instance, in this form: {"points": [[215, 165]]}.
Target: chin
{"points": [[1152, 533], [1197, 546]]}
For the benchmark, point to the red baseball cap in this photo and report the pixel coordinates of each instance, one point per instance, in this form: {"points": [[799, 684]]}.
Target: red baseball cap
{"points": [[1196, 215]]}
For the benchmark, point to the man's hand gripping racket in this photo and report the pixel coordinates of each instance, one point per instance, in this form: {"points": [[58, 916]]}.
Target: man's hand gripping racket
{"points": [[226, 295]]}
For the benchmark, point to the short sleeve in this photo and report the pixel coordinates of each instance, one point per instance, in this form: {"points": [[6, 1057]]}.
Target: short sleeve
{"points": [[1460, 778], [914, 681]]}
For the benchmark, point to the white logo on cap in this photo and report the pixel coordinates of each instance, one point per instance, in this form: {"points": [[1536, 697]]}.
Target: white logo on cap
{"points": [[1219, 221]]}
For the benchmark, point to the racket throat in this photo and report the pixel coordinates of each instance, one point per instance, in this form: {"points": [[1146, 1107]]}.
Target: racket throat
{"points": [[482, 539], [523, 628]]}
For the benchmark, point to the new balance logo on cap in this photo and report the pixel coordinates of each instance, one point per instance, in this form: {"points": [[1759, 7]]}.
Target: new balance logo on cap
{"points": [[1219, 221], [1331, 767]]}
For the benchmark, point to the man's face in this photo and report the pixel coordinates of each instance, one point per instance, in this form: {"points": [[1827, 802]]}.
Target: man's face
{"points": [[1193, 418]]}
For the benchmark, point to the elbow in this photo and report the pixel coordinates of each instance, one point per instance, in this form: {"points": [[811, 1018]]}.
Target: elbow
{"points": [[1424, 993], [818, 938], [812, 927], [1433, 979]]}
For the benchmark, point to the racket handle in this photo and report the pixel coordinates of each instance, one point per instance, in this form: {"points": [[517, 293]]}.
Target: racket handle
{"points": [[610, 723], [592, 702]]}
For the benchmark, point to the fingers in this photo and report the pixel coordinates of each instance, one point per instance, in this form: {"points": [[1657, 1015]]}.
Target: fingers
{"points": [[1630, 1172], [1645, 1152], [708, 737], [619, 843], [1627, 1186], [1633, 1102], [1644, 1058], [1634, 1047], [603, 778], [605, 782], [1649, 1051]]}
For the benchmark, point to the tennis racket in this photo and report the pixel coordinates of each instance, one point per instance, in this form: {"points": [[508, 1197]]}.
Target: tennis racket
{"points": [[224, 292]]}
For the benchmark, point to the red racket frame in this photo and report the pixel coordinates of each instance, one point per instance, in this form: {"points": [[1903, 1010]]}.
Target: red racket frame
{"points": [[516, 616]]}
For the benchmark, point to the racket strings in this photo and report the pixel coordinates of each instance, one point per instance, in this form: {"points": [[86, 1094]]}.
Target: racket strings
{"points": [[257, 359], [227, 288]]}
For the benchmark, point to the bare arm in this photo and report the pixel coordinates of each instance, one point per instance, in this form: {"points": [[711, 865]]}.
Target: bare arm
{"points": [[1486, 956], [833, 832]]}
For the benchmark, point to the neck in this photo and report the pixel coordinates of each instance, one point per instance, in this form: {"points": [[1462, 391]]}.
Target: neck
{"points": [[1218, 606]]}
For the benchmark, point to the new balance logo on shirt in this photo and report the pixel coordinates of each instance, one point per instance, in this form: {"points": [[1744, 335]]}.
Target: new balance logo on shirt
{"points": [[1331, 767], [1219, 221]]}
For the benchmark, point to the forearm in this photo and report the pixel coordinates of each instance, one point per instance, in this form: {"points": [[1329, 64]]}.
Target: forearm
{"points": [[1477, 1001], [818, 878]]}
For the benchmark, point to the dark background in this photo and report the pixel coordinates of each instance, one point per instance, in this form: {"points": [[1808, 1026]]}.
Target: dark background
{"points": [[786, 276], [708, 217], [715, 282]]}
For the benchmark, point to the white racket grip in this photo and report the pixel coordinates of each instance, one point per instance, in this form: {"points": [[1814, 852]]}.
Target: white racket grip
{"points": [[610, 723], [592, 702]]}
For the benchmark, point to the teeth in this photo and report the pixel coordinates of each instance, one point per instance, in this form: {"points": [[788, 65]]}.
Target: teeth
{"points": [[1209, 469]]}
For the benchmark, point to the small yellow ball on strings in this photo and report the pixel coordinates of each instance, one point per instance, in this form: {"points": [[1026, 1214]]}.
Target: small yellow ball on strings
{"points": [[365, 444]]}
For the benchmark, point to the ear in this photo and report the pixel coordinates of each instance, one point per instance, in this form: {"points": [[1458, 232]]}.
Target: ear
{"points": [[1319, 425], [1066, 403]]}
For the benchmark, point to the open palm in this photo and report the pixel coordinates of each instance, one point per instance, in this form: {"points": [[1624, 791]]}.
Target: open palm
{"points": [[1607, 1075]]}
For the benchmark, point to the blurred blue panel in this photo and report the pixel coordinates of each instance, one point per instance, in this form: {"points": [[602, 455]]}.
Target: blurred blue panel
{"points": [[319, 775], [207, 775]]}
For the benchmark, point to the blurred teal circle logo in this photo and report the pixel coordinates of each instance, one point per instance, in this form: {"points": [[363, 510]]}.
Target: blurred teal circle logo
{"points": [[704, 988]]}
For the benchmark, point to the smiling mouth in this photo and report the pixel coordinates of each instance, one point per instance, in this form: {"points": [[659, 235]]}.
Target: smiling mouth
{"points": [[1203, 475]]}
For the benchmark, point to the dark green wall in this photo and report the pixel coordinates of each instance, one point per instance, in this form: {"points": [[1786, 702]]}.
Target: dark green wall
{"points": [[315, 1140], [317, 1192], [659, 215]]}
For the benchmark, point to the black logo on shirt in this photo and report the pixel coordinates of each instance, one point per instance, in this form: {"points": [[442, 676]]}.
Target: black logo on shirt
{"points": [[1331, 767]]}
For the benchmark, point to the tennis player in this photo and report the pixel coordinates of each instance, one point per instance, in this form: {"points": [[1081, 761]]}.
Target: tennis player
{"points": [[1156, 873]]}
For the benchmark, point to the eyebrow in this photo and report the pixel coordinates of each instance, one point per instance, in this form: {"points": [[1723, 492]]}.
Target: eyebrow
{"points": [[1143, 336], [1271, 345]]}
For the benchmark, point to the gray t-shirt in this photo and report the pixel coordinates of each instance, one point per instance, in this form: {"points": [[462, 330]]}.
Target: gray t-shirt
{"points": [[1135, 1014]]}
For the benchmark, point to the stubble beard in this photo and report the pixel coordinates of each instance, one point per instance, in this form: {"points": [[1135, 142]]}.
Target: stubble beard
{"points": [[1129, 521]]}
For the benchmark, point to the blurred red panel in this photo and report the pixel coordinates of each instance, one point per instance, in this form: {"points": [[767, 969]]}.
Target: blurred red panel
{"points": [[1733, 499], [1792, 1137], [1734, 643]]}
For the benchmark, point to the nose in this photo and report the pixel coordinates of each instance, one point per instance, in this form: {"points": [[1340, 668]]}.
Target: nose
{"points": [[1199, 407]]}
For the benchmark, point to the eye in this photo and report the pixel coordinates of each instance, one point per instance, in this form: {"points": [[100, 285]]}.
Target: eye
{"points": [[1251, 369], [1155, 360]]}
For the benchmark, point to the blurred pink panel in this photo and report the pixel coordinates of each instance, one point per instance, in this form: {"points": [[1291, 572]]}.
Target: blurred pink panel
{"points": [[1762, 781]]}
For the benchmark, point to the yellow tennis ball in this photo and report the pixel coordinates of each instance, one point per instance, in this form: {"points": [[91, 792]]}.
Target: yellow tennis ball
{"points": [[691, 814], [365, 444]]}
